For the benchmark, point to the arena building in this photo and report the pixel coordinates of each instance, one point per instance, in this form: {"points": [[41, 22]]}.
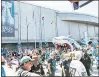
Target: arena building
{"points": [[35, 24]]}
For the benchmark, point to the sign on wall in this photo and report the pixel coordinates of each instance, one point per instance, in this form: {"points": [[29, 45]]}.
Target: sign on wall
{"points": [[8, 26]]}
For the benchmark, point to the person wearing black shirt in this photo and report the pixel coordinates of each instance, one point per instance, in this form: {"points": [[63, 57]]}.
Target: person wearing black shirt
{"points": [[37, 67], [42, 55], [52, 65], [86, 61], [66, 65]]}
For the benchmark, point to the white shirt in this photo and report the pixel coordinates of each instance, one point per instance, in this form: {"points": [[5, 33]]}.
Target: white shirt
{"points": [[9, 71], [79, 67]]}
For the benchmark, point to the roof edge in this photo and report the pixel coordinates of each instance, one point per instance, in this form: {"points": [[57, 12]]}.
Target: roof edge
{"points": [[77, 13]]}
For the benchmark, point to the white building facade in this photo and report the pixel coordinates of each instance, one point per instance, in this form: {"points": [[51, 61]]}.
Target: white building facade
{"points": [[44, 24]]}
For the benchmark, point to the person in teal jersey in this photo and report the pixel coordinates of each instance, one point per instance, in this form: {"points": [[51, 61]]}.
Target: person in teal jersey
{"points": [[47, 54], [95, 52], [52, 65], [3, 73], [66, 65]]}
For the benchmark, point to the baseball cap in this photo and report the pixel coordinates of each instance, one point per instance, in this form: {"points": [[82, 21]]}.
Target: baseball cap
{"points": [[26, 59]]}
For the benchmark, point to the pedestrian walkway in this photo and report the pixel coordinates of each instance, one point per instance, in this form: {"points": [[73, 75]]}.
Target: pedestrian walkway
{"points": [[95, 71], [58, 71]]}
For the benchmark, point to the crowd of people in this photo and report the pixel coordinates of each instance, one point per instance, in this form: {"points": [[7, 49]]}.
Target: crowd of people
{"points": [[32, 64]]}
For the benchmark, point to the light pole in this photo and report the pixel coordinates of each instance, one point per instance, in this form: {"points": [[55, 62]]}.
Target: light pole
{"points": [[27, 37], [56, 28], [34, 28], [42, 32], [19, 27], [40, 29], [27, 33], [35, 33]]}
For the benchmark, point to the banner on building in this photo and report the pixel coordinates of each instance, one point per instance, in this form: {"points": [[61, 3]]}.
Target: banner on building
{"points": [[8, 26]]}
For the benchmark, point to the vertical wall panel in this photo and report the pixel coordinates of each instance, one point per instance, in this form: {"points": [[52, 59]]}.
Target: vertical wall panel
{"points": [[63, 27], [91, 30], [83, 28], [97, 31], [74, 30]]}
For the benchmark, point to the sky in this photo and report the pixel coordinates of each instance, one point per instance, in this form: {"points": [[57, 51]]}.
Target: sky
{"points": [[66, 6]]}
